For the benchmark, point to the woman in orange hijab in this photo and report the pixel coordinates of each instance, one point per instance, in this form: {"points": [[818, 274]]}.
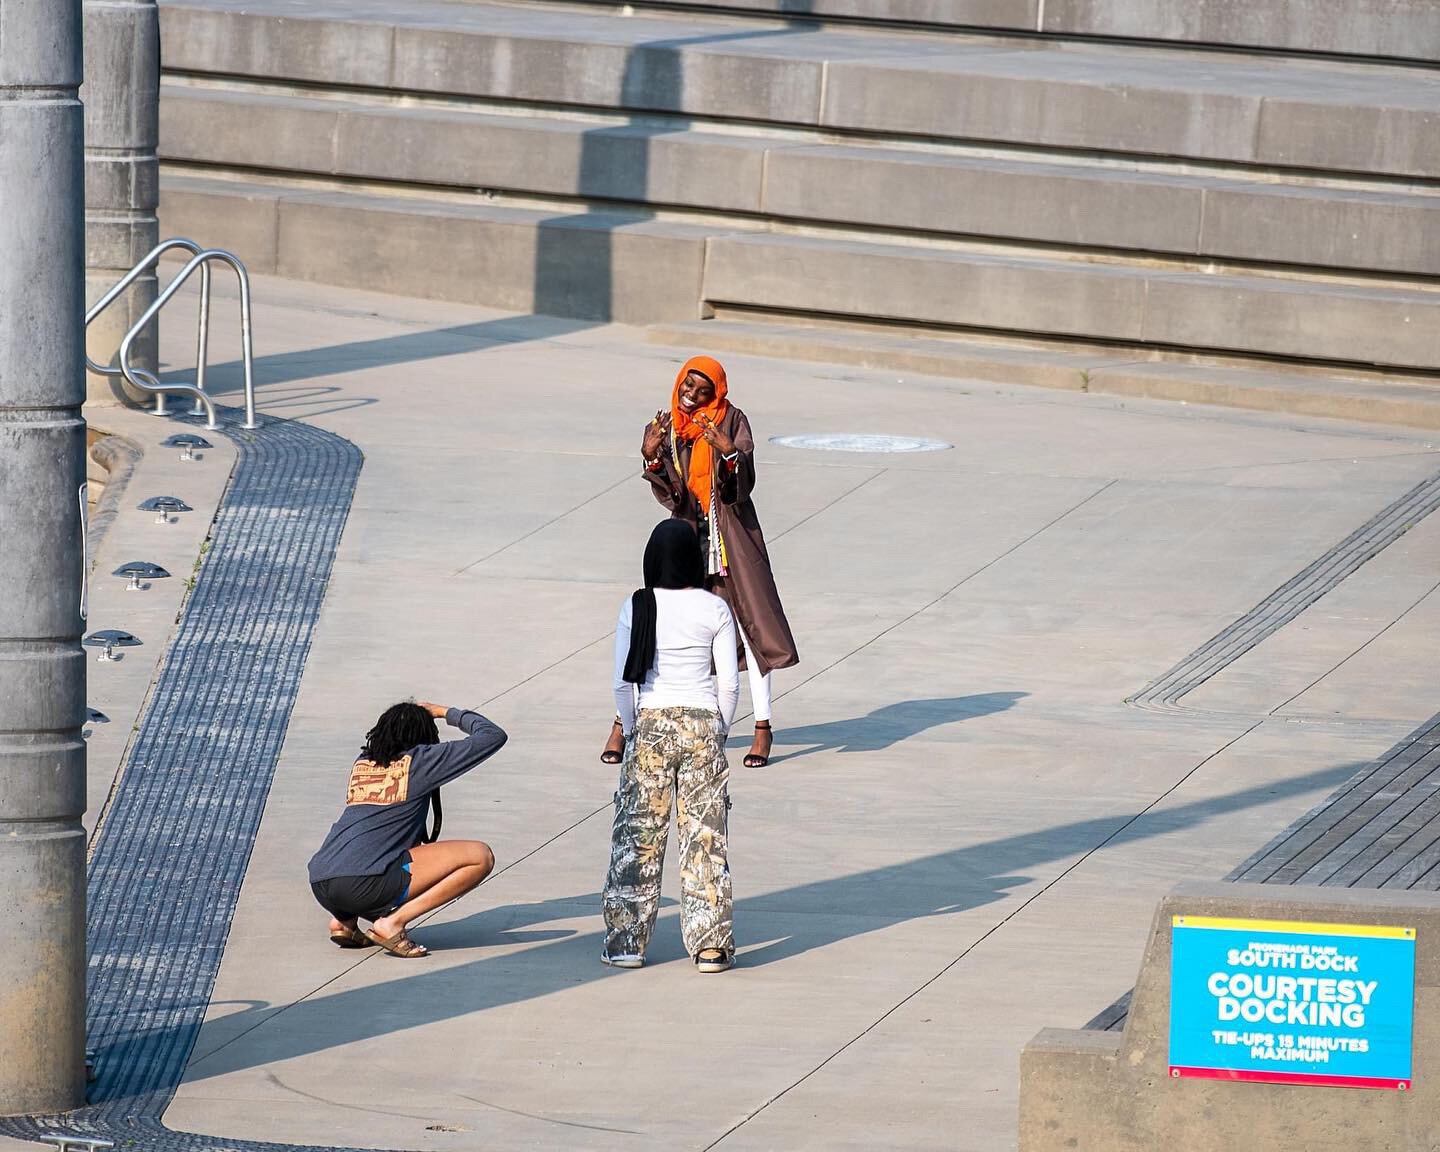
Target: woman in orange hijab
{"points": [[700, 462]]}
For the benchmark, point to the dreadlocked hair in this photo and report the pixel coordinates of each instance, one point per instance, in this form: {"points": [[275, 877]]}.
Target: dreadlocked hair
{"points": [[400, 728]]}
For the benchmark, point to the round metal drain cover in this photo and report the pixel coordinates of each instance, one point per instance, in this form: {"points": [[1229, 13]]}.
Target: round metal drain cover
{"points": [[840, 442]]}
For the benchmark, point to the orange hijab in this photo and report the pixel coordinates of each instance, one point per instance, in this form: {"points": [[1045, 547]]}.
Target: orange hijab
{"points": [[687, 426]]}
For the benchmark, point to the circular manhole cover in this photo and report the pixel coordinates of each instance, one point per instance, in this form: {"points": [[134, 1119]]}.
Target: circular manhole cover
{"points": [[840, 442]]}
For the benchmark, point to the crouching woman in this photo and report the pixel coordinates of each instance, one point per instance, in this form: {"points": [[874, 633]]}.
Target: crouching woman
{"points": [[377, 863]]}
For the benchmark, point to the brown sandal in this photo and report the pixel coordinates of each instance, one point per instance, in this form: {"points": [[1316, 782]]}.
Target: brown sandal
{"points": [[351, 938], [615, 747], [755, 759], [398, 945]]}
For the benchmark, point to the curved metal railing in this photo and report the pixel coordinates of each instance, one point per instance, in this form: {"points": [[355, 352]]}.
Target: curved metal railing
{"points": [[129, 278], [201, 258], [150, 260], [147, 381]]}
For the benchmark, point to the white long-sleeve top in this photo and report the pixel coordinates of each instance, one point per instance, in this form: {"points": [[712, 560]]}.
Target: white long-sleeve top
{"points": [[693, 631]]}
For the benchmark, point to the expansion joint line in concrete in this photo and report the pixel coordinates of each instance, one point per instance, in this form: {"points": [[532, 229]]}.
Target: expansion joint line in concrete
{"points": [[363, 958], [1283, 605], [170, 858], [1326, 572], [1336, 667], [1380, 829], [1384, 816], [1079, 862], [1098, 492], [629, 476]]}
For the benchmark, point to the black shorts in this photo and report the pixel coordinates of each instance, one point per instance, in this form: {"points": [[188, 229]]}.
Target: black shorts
{"points": [[369, 897]]}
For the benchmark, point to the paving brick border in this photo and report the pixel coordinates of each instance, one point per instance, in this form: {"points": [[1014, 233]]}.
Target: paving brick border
{"points": [[171, 854]]}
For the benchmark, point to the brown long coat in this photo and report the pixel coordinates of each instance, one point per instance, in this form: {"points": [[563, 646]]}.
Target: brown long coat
{"points": [[749, 589]]}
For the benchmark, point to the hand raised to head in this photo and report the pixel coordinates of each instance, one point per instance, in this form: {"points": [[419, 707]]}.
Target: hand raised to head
{"points": [[437, 711]]}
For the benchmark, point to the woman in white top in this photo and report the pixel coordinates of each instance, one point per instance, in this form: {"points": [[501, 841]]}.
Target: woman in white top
{"points": [[677, 684]]}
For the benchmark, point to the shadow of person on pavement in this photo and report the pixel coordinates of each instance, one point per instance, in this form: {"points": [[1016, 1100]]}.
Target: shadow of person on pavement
{"points": [[891, 724], [797, 920]]}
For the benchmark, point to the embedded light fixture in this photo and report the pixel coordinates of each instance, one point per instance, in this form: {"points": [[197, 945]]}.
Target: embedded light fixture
{"points": [[164, 505], [188, 443], [845, 442], [66, 1142], [110, 639], [93, 716], [138, 570]]}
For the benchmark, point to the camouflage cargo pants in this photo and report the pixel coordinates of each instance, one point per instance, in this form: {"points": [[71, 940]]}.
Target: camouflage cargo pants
{"points": [[674, 753]]}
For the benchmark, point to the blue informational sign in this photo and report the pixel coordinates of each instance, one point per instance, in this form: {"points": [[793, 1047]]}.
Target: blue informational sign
{"points": [[1286, 1002]]}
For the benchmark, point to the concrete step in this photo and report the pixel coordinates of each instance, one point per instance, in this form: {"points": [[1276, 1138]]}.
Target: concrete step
{"points": [[464, 148], [665, 163], [1408, 29], [611, 265], [1107, 371], [599, 266], [1126, 303], [1400, 29], [1230, 107]]}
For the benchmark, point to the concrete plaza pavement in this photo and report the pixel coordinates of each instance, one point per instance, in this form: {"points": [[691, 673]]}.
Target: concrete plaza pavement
{"points": [[965, 829]]}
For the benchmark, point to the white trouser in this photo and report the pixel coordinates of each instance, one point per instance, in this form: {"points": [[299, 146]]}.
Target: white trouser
{"points": [[759, 685]]}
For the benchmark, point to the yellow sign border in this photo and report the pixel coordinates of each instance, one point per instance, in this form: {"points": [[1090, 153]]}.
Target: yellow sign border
{"points": [[1300, 927]]}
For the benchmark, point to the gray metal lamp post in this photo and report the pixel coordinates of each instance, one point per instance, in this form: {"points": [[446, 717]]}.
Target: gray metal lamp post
{"points": [[122, 175], [42, 469]]}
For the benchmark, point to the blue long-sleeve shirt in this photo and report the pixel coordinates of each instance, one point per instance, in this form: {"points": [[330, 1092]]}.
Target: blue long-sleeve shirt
{"points": [[386, 804]]}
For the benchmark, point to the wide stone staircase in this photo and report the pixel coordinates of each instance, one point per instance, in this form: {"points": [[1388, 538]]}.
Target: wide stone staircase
{"points": [[1250, 183]]}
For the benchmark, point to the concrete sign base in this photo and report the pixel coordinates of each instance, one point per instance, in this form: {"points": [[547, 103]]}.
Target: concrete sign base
{"points": [[1119, 1091]]}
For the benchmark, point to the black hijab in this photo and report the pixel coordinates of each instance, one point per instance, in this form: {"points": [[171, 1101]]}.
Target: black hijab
{"points": [[672, 560]]}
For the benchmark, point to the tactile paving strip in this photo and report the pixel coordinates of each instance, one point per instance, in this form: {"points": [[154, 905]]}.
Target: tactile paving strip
{"points": [[1292, 597], [172, 851], [1381, 828]]}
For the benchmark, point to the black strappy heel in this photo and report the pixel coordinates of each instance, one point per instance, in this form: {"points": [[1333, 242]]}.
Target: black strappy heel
{"points": [[754, 759]]}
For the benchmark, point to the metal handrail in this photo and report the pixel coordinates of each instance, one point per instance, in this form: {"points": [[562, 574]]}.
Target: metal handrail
{"points": [[151, 259], [125, 281], [148, 382]]}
